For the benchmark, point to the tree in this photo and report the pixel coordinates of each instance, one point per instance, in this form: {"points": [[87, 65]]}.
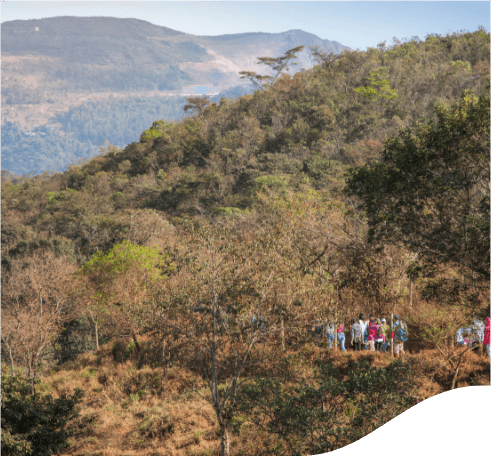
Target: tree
{"points": [[323, 57], [219, 282], [197, 105], [376, 86], [34, 301], [430, 190], [279, 65], [34, 424], [119, 282], [439, 329]]}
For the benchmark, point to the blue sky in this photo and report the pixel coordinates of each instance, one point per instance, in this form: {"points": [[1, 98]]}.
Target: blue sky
{"points": [[359, 24]]}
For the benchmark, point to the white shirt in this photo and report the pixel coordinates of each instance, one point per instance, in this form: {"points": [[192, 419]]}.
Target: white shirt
{"points": [[363, 326]]}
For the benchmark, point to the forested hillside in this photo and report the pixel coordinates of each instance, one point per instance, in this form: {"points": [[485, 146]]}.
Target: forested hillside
{"points": [[303, 131], [178, 281]]}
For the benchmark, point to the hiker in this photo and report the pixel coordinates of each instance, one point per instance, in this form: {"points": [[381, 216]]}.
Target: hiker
{"points": [[366, 346], [486, 337], [478, 329], [472, 335], [364, 326], [459, 337], [372, 332], [356, 335], [330, 328], [400, 335], [320, 327], [379, 336], [341, 337], [385, 327]]}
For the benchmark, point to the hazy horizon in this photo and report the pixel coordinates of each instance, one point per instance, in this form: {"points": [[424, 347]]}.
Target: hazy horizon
{"points": [[355, 24]]}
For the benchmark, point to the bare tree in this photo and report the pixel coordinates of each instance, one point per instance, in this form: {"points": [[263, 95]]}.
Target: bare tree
{"points": [[34, 299]]}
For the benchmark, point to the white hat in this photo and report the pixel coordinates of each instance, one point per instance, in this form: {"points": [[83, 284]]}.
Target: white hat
{"points": [[383, 320]]}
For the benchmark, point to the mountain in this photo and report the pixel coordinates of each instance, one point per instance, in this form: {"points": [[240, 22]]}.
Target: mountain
{"points": [[102, 53], [70, 83]]}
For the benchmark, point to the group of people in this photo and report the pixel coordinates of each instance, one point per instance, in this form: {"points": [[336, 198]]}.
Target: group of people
{"points": [[372, 334], [471, 335], [475, 334]]}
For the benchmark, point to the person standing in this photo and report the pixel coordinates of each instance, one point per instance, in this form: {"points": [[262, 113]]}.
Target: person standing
{"points": [[372, 333], [356, 335], [400, 335], [341, 337], [379, 336], [478, 327], [486, 337], [385, 327], [364, 329], [330, 328]]}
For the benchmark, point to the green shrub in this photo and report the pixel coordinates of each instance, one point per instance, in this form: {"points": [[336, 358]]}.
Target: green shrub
{"points": [[34, 424], [331, 410]]}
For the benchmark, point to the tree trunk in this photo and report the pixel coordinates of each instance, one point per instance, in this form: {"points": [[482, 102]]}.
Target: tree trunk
{"points": [[282, 333], [139, 362], [96, 335], [454, 379], [410, 293], [225, 440]]}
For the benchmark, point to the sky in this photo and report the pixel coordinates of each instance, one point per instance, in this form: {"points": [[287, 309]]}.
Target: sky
{"points": [[358, 24]]}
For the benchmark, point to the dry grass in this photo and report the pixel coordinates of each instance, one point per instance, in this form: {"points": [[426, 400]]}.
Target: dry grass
{"points": [[152, 411]]}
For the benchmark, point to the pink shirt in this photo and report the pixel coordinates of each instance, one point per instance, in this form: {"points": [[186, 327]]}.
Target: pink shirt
{"points": [[486, 332], [372, 331]]}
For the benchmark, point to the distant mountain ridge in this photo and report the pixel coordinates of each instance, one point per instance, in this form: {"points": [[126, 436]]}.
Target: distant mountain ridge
{"points": [[106, 42]]}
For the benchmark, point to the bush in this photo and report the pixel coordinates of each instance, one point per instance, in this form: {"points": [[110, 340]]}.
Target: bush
{"points": [[34, 424], [322, 414]]}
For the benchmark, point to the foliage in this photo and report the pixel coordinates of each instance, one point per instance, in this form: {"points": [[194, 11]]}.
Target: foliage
{"points": [[430, 192], [34, 424], [376, 86], [120, 281], [279, 66], [321, 414], [239, 211]]}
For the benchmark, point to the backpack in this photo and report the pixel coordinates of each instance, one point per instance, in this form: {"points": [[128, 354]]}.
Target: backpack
{"points": [[401, 332], [357, 334]]}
